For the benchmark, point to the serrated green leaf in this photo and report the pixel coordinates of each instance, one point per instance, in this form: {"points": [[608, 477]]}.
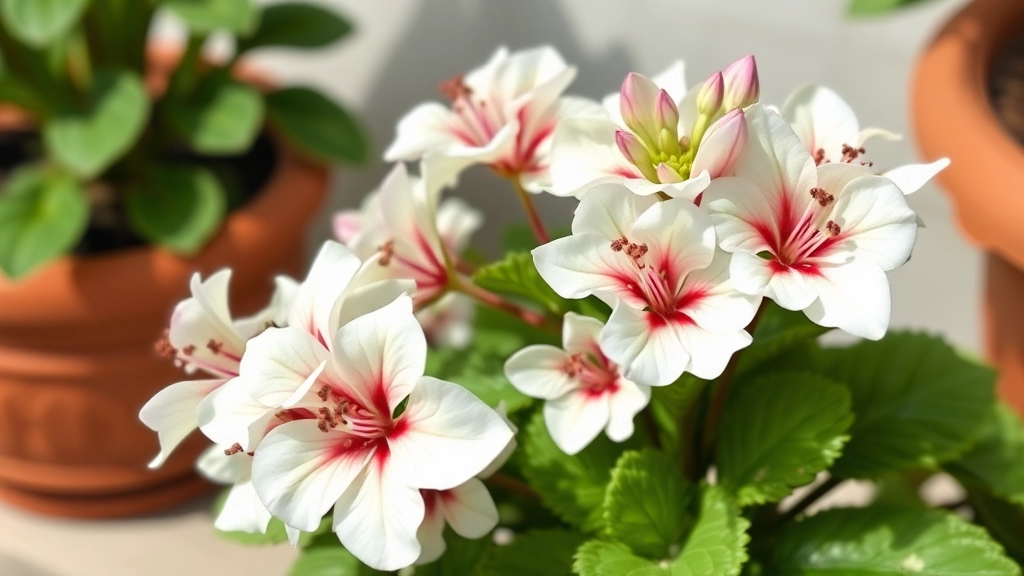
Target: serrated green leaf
{"points": [[917, 403], [1003, 520], [223, 117], [89, 141], [178, 207], [778, 433], [39, 22], [602, 558], [876, 7], [317, 127], [996, 462], [42, 216], [879, 541], [646, 505], [717, 543], [296, 25], [537, 553], [206, 16], [516, 275], [778, 331], [573, 487]]}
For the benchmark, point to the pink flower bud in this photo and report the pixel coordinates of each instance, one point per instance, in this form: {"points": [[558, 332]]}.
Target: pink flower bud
{"points": [[709, 97], [742, 87], [635, 151], [722, 145], [668, 114], [638, 100]]}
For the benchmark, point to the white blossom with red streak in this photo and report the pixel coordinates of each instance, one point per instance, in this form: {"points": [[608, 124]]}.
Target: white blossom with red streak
{"points": [[502, 114], [675, 308], [813, 238], [583, 389], [829, 130], [346, 448]]}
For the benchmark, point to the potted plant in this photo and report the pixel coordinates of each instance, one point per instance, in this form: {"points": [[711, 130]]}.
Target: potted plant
{"points": [[646, 395], [125, 168]]}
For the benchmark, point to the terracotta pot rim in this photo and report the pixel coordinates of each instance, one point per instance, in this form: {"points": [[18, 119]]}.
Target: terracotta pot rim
{"points": [[953, 117]]}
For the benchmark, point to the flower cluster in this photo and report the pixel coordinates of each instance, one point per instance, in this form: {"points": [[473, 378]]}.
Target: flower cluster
{"points": [[694, 207]]}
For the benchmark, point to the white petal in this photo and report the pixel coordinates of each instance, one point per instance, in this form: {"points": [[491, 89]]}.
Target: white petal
{"points": [[282, 364], [580, 333], [822, 120], [215, 465], [742, 213], [646, 348], [610, 211], [853, 297], [426, 126], [482, 79], [876, 221], [709, 352], [776, 161], [442, 167], [299, 471], [430, 534], [690, 188], [672, 80], [469, 509], [625, 403], [539, 372], [377, 518], [243, 511], [717, 306], [229, 415], [580, 265], [328, 278], [171, 413], [456, 223], [446, 436], [204, 319], [574, 420], [584, 154], [369, 297], [380, 356], [789, 289], [293, 534], [680, 236], [911, 177]]}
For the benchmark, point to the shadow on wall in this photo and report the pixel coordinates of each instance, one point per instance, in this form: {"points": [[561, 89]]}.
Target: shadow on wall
{"points": [[446, 38]]}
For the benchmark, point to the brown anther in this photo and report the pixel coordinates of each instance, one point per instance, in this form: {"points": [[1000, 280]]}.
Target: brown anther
{"points": [[833, 228], [163, 346], [618, 245], [574, 365], [819, 157], [850, 153], [387, 251], [323, 392], [823, 197], [188, 350], [214, 346], [454, 88], [235, 449]]}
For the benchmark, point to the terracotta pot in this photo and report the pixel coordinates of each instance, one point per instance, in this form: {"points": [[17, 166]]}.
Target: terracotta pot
{"points": [[77, 358], [953, 117]]}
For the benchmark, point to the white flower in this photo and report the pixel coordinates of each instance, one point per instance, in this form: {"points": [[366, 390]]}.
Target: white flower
{"points": [[204, 336], [583, 389], [502, 115], [675, 308], [448, 322], [409, 235], [828, 129], [242, 511], [656, 137], [346, 449], [817, 239]]}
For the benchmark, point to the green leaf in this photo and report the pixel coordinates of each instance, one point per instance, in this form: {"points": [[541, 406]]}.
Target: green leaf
{"points": [[537, 553], [601, 558], [876, 7], [573, 487], [295, 25], [316, 126], [89, 141], [478, 372], [326, 561], [516, 275], [42, 216], [461, 556], [917, 403], [1003, 520], [996, 462], [178, 207], [670, 405], [646, 503], [778, 331], [39, 22], [205, 16], [223, 117], [778, 433], [17, 92], [879, 541], [717, 543]]}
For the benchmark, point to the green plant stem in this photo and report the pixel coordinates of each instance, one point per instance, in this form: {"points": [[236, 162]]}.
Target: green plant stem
{"points": [[709, 436], [531, 211], [647, 417], [466, 286], [510, 484], [688, 447], [186, 75], [809, 499]]}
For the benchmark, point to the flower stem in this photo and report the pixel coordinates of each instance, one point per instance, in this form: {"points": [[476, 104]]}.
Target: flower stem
{"points": [[510, 484], [810, 498], [466, 286], [531, 211], [720, 394]]}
